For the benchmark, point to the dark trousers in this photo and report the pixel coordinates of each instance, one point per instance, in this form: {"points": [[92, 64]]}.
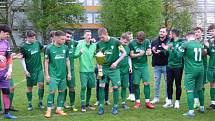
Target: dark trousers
{"points": [[174, 74], [131, 84]]}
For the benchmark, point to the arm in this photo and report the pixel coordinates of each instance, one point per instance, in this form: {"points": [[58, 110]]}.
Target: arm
{"points": [[68, 69], [78, 51], [46, 66], [123, 53], [130, 64], [9, 62], [24, 67]]}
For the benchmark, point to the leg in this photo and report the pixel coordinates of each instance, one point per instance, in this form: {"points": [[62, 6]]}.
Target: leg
{"points": [[40, 94], [29, 97], [178, 78], [164, 71], [157, 77]]}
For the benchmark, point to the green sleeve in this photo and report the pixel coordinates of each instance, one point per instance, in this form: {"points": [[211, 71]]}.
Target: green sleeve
{"points": [[47, 53], [77, 51]]}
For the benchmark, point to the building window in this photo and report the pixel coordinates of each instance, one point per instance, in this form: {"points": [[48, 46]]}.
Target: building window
{"points": [[89, 18], [97, 2], [90, 2], [97, 17]]}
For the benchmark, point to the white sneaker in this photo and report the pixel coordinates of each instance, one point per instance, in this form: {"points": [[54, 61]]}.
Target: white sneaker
{"points": [[155, 101], [129, 97], [132, 98], [166, 99], [167, 105], [107, 103], [177, 105], [97, 103]]}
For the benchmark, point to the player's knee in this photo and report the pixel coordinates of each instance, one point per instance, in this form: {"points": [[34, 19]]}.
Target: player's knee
{"points": [[61, 90], [6, 91], [115, 87], [189, 90], [146, 83], [102, 85], [41, 85], [29, 89]]}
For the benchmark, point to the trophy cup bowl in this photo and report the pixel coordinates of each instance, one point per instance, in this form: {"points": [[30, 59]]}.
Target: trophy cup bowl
{"points": [[100, 58]]}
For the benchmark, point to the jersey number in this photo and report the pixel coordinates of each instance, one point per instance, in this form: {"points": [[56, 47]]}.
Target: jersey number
{"points": [[198, 54]]}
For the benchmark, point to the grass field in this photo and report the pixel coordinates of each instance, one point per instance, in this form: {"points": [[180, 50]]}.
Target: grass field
{"points": [[158, 114]]}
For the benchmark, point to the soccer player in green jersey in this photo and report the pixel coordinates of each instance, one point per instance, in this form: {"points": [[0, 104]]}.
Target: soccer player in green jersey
{"points": [[110, 47], [139, 50], [71, 44], [57, 70], [191, 51], [199, 36], [174, 69], [125, 68], [86, 50], [211, 64], [30, 50]]}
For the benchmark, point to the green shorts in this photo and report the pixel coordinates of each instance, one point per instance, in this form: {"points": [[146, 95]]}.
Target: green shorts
{"points": [[57, 84], [35, 77], [111, 74], [88, 79], [71, 83], [124, 79], [194, 81], [140, 74], [211, 75], [11, 83]]}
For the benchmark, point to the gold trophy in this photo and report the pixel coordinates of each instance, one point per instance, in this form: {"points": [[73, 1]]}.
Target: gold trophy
{"points": [[100, 58]]}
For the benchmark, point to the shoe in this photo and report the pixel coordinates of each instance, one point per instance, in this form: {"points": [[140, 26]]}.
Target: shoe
{"points": [[166, 99], [167, 105], [129, 97], [74, 109], [97, 103], [9, 116], [212, 106], [189, 114], [30, 108], [177, 105], [83, 109], [40, 105], [202, 109], [101, 111], [114, 110], [53, 107], [13, 109], [132, 97], [48, 114], [149, 105], [124, 106], [66, 106], [155, 101], [107, 103], [137, 105], [196, 105], [90, 107], [60, 112]]}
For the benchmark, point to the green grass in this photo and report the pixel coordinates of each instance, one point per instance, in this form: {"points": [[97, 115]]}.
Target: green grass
{"points": [[158, 114]]}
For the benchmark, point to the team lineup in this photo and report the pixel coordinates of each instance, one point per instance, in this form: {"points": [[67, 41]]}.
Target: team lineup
{"points": [[123, 62]]}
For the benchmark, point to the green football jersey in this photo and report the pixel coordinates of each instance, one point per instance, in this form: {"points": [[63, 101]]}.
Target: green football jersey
{"points": [[124, 65], [140, 61], [31, 54], [72, 46], [57, 56], [211, 52], [204, 58], [173, 60], [192, 53], [110, 50]]}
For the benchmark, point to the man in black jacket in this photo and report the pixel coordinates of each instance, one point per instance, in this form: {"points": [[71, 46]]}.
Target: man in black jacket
{"points": [[159, 62]]}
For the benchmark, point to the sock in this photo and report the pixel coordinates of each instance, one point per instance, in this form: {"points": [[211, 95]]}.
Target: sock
{"points": [[123, 94], [101, 96], [72, 97], [11, 99], [65, 95], [6, 101], [137, 91], [83, 92], [88, 96], [190, 98], [0, 102], [115, 97], [50, 100], [29, 96], [201, 97], [40, 94], [147, 91], [212, 93], [60, 99]]}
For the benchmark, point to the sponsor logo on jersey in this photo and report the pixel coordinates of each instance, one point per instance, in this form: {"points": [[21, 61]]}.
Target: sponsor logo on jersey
{"points": [[112, 47], [64, 51], [59, 56], [33, 52]]}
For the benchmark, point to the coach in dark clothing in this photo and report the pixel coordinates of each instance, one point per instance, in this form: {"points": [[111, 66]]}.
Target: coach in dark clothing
{"points": [[159, 62]]}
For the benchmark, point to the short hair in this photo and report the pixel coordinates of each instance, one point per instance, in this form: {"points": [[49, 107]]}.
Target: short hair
{"points": [[163, 27], [129, 33], [140, 35], [176, 32], [102, 31], [30, 33], [125, 36], [68, 31], [190, 33], [60, 33], [52, 33], [212, 26], [85, 31], [198, 28], [5, 28]]}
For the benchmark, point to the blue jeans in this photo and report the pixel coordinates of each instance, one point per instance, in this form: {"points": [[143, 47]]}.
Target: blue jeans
{"points": [[158, 70]]}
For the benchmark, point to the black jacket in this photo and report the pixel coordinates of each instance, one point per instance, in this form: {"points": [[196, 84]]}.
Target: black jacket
{"points": [[160, 59]]}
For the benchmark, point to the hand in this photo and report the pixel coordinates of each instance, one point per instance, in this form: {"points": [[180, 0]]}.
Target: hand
{"points": [[3, 58], [114, 65], [130, 70], [154, 49], [164, 46], [19, 56], [47, 79], [69, 77], [142, 52], [206, 43], [99, 75], [148, 52], [8, 75], [27, 74]]}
